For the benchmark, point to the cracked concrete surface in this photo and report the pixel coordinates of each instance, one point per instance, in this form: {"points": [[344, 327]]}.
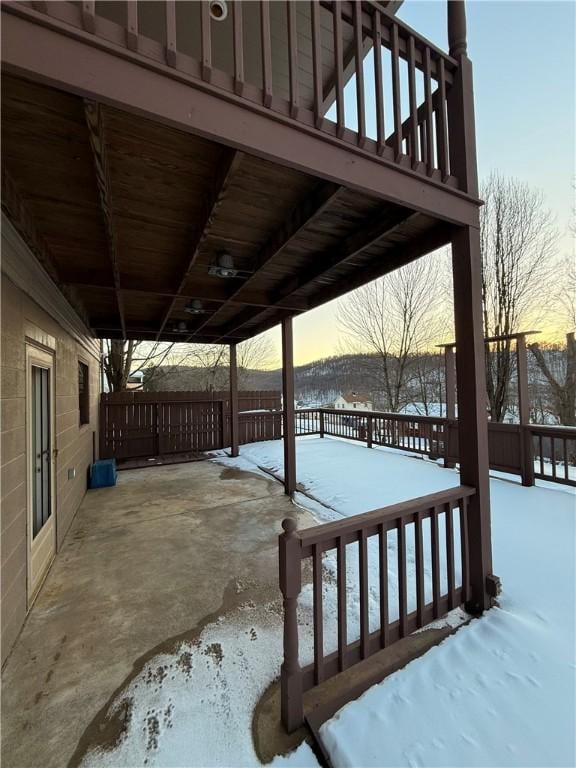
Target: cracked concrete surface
{"points": [[146, 564]]}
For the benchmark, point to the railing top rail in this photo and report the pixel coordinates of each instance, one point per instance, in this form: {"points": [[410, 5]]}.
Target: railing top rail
{"points": [[556, 430], [379, 414], [326, 531]]}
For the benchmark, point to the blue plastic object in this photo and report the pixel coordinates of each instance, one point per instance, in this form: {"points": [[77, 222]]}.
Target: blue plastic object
{"points": [[103, 473]]}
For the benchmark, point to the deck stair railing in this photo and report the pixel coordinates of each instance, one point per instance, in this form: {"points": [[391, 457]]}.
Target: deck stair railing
{"points": [[423, 543], [295, 60]]}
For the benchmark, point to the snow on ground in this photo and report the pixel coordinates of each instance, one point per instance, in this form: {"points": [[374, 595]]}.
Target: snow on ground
{"points": [[500, 692]]}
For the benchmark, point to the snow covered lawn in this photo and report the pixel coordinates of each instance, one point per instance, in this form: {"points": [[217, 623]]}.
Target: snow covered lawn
{"points": [[500, 692]]}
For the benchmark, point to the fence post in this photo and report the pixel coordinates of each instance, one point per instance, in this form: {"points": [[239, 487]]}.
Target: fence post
{"points": [[450, 375], [233, 368], [369, 431], [291, 703], [527, 455], [526, 448], [321, 423]]}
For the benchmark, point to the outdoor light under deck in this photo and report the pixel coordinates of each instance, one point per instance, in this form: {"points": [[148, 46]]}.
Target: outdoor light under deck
{"points": [[195, 308], [224, 267]]}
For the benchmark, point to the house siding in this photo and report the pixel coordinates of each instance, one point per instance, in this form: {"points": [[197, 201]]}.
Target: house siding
{"points": [[74, 443]]}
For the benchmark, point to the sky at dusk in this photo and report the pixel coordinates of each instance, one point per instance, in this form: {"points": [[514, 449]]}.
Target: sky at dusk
{"points": [[524, 80]]}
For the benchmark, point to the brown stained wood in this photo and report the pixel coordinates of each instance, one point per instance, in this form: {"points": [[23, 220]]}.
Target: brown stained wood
{"points": [[132, 36], [363, 583], [413, 136], [429, 114], [171, 40], [228, 167], [396, 95], [206, 40], [402, 584], [266, 53], [441, 123], [378, 81], [449, 511], [317, 64], [88, 17], [342, 609], [97, 132], [339, 68], [318, 615], [464, 544], [238, 32], [419, 550], [383, 582], [359, 72], [435, 543], [293, 59]]}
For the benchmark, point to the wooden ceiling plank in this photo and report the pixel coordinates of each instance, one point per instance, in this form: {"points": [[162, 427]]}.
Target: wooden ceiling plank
{"points": [[302, 216], [228, 166], [95, 121], [369, 232]]}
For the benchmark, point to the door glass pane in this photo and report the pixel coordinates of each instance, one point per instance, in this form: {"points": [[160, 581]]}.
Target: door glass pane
{"points": [[41, 448]]}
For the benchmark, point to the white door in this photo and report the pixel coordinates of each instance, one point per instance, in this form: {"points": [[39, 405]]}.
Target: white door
{"points": [[41, 460]]}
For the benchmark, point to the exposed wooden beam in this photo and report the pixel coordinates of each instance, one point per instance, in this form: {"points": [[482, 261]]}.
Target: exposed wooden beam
{"points": [[228, 166], [95, 120], [208, 294], [367, 234], [302, 216]]}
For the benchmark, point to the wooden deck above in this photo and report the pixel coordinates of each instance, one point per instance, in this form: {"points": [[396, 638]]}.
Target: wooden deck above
{"points": [[128, 216], [142, 141]]}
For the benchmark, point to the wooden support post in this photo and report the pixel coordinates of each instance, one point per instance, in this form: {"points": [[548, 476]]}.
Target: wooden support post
{"points": [[234, 450], [369, 428], [321, 420], [291, 703], [527, 451], [288, 403], [450, 370], [472, 416]]}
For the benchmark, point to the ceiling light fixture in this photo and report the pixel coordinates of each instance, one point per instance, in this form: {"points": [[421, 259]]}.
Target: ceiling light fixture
{"points": [[195, 308], [224, 267], [218, 10]]}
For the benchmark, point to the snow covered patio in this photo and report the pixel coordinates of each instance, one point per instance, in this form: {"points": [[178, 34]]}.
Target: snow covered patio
{"points": [[499, 692]]}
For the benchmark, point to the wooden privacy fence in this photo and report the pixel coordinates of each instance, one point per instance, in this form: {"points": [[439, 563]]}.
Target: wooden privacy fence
{"points": [[425, 557], [290, 59], [147, 424], [532, 451]]}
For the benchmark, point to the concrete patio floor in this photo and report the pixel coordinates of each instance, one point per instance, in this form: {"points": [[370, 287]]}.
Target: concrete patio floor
{"points": [[145, 564]]}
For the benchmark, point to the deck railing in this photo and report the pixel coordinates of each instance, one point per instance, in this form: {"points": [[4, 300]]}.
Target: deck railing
{"points": [[296, 61], [554, 451], [420, 550]]}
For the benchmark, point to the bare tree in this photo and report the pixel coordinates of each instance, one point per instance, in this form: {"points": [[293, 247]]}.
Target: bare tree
{"points": [[254, 354], [560, 374], [518, 239], [122, 359], [396, 318]]}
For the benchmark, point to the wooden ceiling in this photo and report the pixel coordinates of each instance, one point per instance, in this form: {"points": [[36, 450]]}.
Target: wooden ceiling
{"points": [[127, 215]]}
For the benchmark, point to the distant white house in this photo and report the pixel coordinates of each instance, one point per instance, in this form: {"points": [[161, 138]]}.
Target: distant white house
{"points": [[354, 401]]}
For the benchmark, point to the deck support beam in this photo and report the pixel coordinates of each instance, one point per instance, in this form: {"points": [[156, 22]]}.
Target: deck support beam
{"points": [[450, 372], [234, 450], [288, 407], [472, 416]]}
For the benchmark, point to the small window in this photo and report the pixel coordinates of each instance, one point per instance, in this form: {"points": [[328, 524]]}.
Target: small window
{"points": [[83, 393]]}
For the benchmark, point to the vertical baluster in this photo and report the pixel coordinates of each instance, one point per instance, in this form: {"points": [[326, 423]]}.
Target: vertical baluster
{"points": [[441, 124], [422, 138], [396, 103], [88, 16], [450, 554], [206, 38], [464, 549], [318, 615], [378, 81], [541, 454], [553, 457], [238, 31], [170, 52], [435, 542], [412, 100], [339, 69], [383, 553], [317, 65], [565, 450], [359, 57], [266, 52], [342, 619], [429, 111], [402, 596], [293, 58], [419, 568], [363, 564], [132, 25]]}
